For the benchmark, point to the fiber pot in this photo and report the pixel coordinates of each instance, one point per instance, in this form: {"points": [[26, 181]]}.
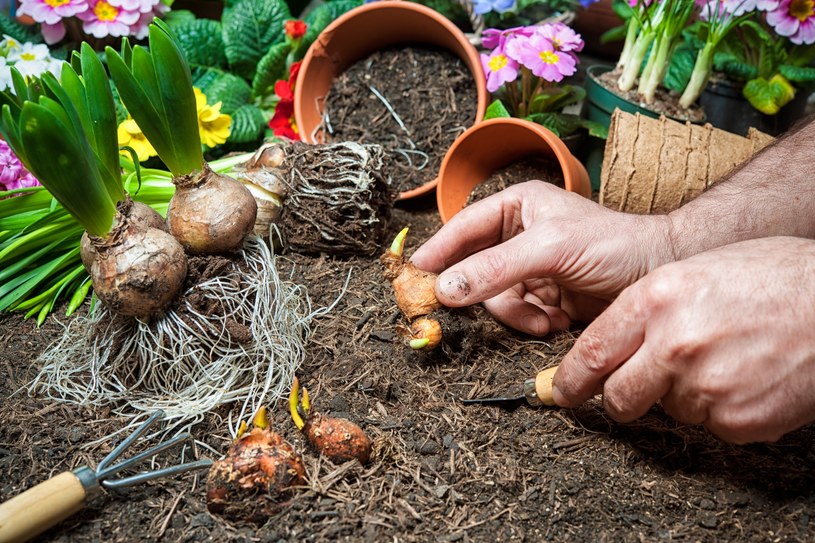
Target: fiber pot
{"points": [[359, 33], [493, 144], [727, 108]]}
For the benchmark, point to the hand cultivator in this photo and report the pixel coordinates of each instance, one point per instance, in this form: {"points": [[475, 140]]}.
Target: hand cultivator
{"points": [[54, 500]]}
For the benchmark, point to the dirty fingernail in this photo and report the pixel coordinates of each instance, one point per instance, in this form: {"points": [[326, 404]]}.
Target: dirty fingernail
{"points": [[453, 286]]}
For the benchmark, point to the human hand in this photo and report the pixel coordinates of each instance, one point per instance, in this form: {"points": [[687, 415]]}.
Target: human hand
{"points": [[723, 339], [538, 256]]}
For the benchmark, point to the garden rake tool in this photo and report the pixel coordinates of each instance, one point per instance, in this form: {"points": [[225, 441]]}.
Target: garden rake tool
{"points": [[54, 500]]}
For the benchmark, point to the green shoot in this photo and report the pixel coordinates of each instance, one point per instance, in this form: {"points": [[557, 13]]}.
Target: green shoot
{"points": [[156, 88]]}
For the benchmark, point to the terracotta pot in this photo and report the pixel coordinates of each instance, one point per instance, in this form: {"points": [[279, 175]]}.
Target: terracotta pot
{"points": [[493, 144], [363, 31]]}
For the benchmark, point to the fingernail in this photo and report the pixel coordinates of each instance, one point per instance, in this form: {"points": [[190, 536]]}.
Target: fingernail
{"points": [[454, 286], [557, 396]]}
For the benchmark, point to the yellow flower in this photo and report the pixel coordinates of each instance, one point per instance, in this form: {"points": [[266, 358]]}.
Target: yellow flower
{"points": [[131, 135], [213, 126]]}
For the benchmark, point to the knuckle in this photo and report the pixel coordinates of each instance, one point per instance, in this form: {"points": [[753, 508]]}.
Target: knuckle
{"points": [[617, 405], [739, 428], [491, 269], [591, 354]]}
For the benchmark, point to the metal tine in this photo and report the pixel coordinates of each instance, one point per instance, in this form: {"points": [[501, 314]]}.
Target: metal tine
{"points": [[115, 453], [116, 468], [150, 475]]}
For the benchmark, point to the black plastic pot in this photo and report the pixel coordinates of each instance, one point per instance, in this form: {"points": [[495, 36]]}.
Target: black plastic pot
{"points": [[727, 108]]}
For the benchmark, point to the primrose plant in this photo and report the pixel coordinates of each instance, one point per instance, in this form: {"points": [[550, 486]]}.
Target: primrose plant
{"points": [[525, 69]]}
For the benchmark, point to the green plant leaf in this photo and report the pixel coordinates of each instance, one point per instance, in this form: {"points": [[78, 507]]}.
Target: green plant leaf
{"points": [[798, 74], [560, 124], [102, 113], [734, 67], [271, 68], [250, 28], [319, 18], [201, 41], [768, 96], [20, 32], [495, 110], [142, 109], [175, 85], [680, 68], [232, 91], [597, 130], [66, 173], [248, 123], [178, 17]]}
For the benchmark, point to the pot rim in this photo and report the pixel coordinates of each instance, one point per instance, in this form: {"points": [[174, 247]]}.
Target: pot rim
{"points": [[467, 53], [574, 173]]}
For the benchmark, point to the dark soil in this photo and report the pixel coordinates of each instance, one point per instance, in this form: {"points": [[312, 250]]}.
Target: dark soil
{"points": [[441, 471], [426, 98], [665, 103], [540, 168]]}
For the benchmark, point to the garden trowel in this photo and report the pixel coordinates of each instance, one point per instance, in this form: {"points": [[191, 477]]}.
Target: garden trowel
{"points": [[537, 391]]}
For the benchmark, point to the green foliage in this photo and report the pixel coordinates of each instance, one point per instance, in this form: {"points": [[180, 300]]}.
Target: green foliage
{"points": [[497, 109], [202, 43], [319, 18], [768, 96], [798, 74], [248, 123], [20, 32], [250, 27], [232, 91], [271, 68], [156, 88]]}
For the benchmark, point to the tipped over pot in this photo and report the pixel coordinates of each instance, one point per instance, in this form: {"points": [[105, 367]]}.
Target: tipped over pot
{"points": [[492, 145]]}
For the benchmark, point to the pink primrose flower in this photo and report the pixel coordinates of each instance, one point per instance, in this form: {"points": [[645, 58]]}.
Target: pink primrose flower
{"points": [[563, 38], [51, 11], [142, 6], [733, 7], [539, 55], [634, 3], [104, 19], [493, 37], [52, 33], [794, 19], [141, 28], [499, 69], [13, 174]]}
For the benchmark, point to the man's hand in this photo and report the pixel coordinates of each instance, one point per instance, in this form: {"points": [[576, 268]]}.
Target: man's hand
{"points": [[724, 339], [538, 256]]}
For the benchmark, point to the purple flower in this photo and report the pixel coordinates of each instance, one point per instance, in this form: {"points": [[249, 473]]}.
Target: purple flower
{"points": [[104, 19], [13, 174], [480, 7], [794, 19], [543, 59], [562, 37], [499, 69], [51, 12]]}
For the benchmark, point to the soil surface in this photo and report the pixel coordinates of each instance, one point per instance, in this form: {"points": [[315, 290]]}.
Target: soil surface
{"points": [[540, 168], [665, 103], [441, 471], [413, 101]]}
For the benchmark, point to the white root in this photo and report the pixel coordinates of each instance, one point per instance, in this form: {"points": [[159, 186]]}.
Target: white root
{"points": [[187, 363]]}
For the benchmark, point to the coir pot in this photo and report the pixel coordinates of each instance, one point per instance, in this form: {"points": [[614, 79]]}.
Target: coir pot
{"points": [[494, 144], [363, 31]]}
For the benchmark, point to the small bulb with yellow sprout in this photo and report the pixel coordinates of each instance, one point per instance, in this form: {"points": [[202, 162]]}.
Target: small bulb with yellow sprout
{"points": [[340, 440], [252, 480], [415, 295]]}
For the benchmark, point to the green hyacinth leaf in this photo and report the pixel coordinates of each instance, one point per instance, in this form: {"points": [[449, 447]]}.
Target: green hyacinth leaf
{"points": [[250, 28], [271, 68]]}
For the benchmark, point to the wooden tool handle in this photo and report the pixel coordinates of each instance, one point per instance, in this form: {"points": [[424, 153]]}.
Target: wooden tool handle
{"points": [[38, 508], [543, 385]]}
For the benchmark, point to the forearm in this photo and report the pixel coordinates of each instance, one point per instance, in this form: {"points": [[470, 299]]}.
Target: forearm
{"points": [[772, 195]]}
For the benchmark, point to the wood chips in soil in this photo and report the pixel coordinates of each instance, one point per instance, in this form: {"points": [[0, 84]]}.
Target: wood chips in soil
{"points": [[442, 471]]}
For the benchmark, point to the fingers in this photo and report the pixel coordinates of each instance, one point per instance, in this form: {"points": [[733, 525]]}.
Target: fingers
{"points": [[526, 314], [475, 227], [603, 346], [635, 386]]}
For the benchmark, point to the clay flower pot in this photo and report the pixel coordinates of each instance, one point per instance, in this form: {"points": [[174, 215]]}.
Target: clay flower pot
{"points": [[363, 31], [493, 144]]}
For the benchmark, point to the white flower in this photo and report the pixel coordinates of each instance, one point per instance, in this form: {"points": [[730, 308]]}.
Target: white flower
{"points": [[29, 52], [5, 75]]}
